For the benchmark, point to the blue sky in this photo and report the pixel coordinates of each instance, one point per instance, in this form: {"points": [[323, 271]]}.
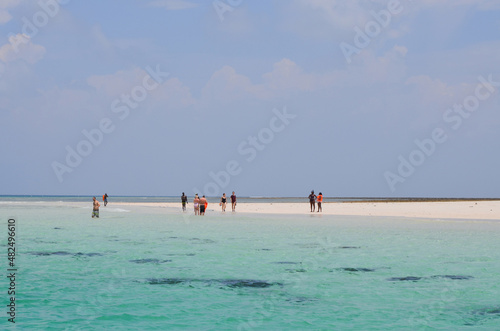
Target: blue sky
{"points": [[266, 98]]}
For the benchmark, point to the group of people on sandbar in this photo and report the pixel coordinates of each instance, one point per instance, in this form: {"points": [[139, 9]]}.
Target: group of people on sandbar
{"points": [[201, 204], [313, 198]]}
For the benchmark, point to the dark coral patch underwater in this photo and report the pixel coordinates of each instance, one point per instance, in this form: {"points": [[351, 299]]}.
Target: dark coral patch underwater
{"points": [[231, 283], [414, 279]]}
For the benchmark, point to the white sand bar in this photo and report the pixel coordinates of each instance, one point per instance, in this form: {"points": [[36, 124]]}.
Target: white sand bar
{"points": [[436, 210]]}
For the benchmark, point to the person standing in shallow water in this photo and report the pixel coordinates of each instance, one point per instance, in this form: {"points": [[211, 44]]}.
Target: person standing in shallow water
{"points": [[95, 208], [233, 201], [184, 200], [203, 205], [105, 199], [196, 203], [312, 201], [320, 200]]}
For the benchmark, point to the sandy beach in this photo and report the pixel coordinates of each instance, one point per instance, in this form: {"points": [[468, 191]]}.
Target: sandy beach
{"points": [[476, 210]]}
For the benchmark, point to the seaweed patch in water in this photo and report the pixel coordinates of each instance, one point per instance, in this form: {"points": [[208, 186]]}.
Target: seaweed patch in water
{"points": [[414, 279], [403, 279], [454, 277], [166, 281], [295, 270], [487, 311], [301, 300], [231, 283], [356, 269], [88, 254], [479, 316], [63, 253], [247, 283]]}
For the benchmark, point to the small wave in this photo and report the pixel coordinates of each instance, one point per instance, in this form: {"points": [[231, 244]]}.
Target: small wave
{"points": [[118, 210], [12, 202]]}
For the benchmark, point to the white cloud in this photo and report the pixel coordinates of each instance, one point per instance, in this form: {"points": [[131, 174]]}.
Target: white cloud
{"points": [[371, 69], [174, 94], [101, 40], [432, 91], [171, 92], [336, 19], [4, 6], [227, 85], [20, 46], [4, 16], [114, 85], [287, 77], [173, 4]]}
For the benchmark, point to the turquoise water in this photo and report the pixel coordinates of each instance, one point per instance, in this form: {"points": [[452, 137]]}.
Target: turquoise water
{"points": [[140, 268]]}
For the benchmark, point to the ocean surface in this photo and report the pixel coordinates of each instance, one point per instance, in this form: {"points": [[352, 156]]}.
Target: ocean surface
{"points": [[140, 268]]}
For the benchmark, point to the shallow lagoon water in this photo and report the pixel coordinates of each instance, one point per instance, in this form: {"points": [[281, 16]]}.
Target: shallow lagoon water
{"points": [[159, 269]]}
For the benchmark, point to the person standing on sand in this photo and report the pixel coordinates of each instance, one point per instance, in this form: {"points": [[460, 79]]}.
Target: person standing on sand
{"points": [[312, 201], [203, 205], [223, 202], [184, 200], [233, 201], [95, 208], [105, 199], [196, 203], [320, 200]]}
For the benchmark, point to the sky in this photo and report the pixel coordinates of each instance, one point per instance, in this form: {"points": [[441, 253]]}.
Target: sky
{"points": [[354, 98]]}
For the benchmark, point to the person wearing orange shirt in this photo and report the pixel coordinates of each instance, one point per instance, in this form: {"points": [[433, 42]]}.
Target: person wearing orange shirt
{"points": [[319, 199]]}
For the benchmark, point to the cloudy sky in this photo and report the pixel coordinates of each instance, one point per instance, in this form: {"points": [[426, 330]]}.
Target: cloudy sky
{"points": [[354, 98]]}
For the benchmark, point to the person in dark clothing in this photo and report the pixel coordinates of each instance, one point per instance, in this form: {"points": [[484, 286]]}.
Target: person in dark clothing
{"points": [[312, 201], [233, 201], [184, 200]]}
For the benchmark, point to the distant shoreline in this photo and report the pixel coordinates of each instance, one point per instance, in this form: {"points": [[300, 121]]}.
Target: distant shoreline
{"points": [[304, 198], [421, 208]]}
